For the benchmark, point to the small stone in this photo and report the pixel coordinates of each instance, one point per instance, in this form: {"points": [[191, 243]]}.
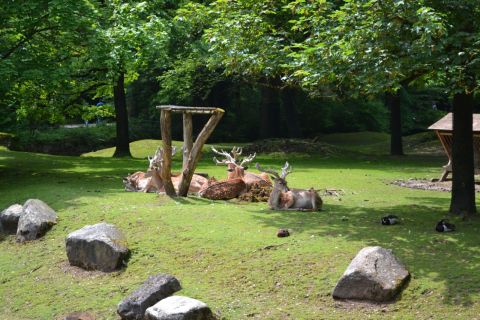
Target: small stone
{"points": [[375, 274], [97, 247], [38, 217], [282, 233], [9, 218], [179, 308], [154, 289]]}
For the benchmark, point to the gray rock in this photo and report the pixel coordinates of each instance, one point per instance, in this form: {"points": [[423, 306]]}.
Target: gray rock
{"points": [[156, 288], [179, 308], [38, 217], [97, 247], [375, 274], [9, 218]]}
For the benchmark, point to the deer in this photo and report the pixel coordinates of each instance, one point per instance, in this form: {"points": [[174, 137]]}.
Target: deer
{"points": [[151, 181], [284, 198], [237, 170]]}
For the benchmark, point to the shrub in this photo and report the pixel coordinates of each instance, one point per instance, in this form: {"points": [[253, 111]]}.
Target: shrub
{"points": [[65, 141]]}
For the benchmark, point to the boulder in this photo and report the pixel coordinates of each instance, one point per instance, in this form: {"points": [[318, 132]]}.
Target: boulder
{"points": [[375, 274], [154, 289], [9, 218], [37, 218], [97, 247], [179, 308]]}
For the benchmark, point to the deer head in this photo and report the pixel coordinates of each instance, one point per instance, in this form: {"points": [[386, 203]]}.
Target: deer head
{"points": [[279, 180], [155, 163], [235, 167]]}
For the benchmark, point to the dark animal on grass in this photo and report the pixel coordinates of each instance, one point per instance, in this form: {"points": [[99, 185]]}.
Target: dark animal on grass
{"points": [[284, 198], [389, 220], [444, 226]]}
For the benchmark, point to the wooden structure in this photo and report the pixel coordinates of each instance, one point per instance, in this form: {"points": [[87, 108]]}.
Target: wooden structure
{"points": [[444, 130], [191, 150]]}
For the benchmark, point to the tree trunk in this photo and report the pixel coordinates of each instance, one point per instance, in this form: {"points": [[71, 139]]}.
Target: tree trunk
{"points": [[121, 118], [291, 113], [196, 151], [393, 103], [463, 183], [166, 131]]}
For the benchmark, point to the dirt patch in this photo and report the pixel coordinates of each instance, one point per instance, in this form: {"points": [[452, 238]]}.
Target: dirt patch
{"points": [[424, 184], [81, 273]]}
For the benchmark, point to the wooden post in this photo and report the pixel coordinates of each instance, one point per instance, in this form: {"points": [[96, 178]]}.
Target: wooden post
{"points": [[165, 126], [187, 137], [196, 151]]}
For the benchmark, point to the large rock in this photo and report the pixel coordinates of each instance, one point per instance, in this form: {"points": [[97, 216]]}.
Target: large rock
{"points": [[154, 289], [375, 274], [9, 218], [97, 247], [38, 217], [179, 308]]}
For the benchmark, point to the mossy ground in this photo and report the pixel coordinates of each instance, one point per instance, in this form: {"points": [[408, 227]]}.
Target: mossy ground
{"points": [[226, 253]]}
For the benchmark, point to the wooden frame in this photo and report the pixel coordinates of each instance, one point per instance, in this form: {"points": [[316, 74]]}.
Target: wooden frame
{"points": [[444, 130], [191, 150]]}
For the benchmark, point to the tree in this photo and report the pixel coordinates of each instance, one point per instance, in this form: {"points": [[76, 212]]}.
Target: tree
{"points": [[41, 43], [247, 40], [370, 46], [128, 34], [365, 48], [459, 61]]}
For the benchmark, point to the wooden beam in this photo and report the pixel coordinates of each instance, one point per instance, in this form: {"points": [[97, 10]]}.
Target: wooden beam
{"points": [[166, 130], [187, 137], [196, 151], [182, 109]]}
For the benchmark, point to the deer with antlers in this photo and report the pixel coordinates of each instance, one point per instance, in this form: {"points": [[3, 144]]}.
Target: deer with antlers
{"points": [[236, 168], [152, 181], [284, 198]]}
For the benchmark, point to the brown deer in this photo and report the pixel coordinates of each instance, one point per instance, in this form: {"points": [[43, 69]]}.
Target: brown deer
{"points": [[237, 170], [284, 198], [152, 181]]}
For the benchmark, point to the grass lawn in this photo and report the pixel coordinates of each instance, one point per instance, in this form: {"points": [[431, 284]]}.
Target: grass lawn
{"points": [[226, 253]]}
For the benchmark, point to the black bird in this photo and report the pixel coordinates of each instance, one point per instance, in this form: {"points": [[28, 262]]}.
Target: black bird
{"points": [[444, 226], [390, 219]]}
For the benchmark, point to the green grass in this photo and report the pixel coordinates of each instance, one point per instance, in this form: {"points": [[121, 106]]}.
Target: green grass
{"points": [[218, 248]]}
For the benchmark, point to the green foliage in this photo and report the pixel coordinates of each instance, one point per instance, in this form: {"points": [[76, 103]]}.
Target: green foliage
{"points": [[104, 111], [364, 47], [69, 141]]}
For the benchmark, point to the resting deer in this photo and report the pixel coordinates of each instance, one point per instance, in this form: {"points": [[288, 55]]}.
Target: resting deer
{"points": [[284, 198], [152, 181], [237, 170]]}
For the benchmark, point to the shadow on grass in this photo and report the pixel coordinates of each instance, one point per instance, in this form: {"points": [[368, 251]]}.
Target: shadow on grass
{"points": [[451, 258]]}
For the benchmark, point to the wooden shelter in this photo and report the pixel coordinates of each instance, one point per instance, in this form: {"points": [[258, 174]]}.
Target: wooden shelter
{"points": [[191, 150], [444, 130]]}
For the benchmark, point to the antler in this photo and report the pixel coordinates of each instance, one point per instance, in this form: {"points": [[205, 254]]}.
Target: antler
{"points": [[228, 156], [236, 152], [286, 170], [248, 159], [266, 170]]}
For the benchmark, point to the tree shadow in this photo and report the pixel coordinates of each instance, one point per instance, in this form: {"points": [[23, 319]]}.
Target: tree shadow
{"points": [[449, 258]]}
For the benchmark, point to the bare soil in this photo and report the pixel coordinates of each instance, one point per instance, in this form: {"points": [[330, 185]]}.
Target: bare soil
{"points": [[433, 185]]}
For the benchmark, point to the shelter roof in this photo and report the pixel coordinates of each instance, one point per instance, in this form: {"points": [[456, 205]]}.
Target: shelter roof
{"points": [[446, 123]]}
